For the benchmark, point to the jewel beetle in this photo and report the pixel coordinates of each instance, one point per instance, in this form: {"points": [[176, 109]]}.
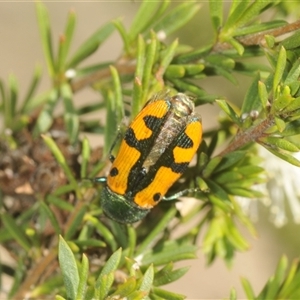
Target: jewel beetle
{"points": [[156, 149]]}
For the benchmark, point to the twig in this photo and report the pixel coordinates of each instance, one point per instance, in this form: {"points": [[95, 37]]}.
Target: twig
{"points": [[123, 69], [35, 274], [251, 135], [256, 39]]}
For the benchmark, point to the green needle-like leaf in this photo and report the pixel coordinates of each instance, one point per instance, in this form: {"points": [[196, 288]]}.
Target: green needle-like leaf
{"points": [[163, 294], [16, 231], [32, 87], [122, 31], [211, 166], [147, 281], [137, 95], [83, 277], [106, 277], [76, 222], [281, 63], [228, 110], [45, 118], [280, 143], [60, 159], [70, 116], [125, 289], [236, 10], [45, 31], [51, 217], [104, 231], [252, 101], [86, 152], [230, 160], [11, 101], [167, 275], [157, 229], [112, 263], [115, 111], [65, 42], [242, 14], [285, 156], [143, 18], [91, 45], [170, 250], [151, 52], [263, 94], [293, 74], [177, 18], [254, 28], [216, 13], [59, 202], [168, 56], [275, 283], [292, 42], [291, 281], [248, 288], [68, 268]]}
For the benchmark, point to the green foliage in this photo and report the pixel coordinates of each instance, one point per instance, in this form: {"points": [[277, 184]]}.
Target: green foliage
{"points": [[282, 285], [140, 283], [134, 262]]}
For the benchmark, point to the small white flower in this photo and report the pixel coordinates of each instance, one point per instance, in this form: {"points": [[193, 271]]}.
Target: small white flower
{"points": [[161, 35], [249, 207], [136, 266], [282, 187], [244, 116], [70, 74], [254, 114], [138, 260]]}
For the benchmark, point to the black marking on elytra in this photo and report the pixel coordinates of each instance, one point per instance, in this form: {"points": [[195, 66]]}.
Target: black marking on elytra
{"points": [[179, 167], [137, 173], [184, 141], [156, 197], [166, 160], [138, 180], [152, 123], [114, 172], [143, 145], [130, 139]]}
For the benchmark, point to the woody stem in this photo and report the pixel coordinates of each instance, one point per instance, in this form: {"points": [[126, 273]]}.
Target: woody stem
{"points": [[250, 135]]}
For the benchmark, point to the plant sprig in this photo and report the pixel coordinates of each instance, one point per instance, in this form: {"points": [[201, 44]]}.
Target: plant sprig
{"points": [[53, 171]]}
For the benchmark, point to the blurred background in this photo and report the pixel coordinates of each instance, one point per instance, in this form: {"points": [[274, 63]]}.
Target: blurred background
{"points": [[21, 50]]}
